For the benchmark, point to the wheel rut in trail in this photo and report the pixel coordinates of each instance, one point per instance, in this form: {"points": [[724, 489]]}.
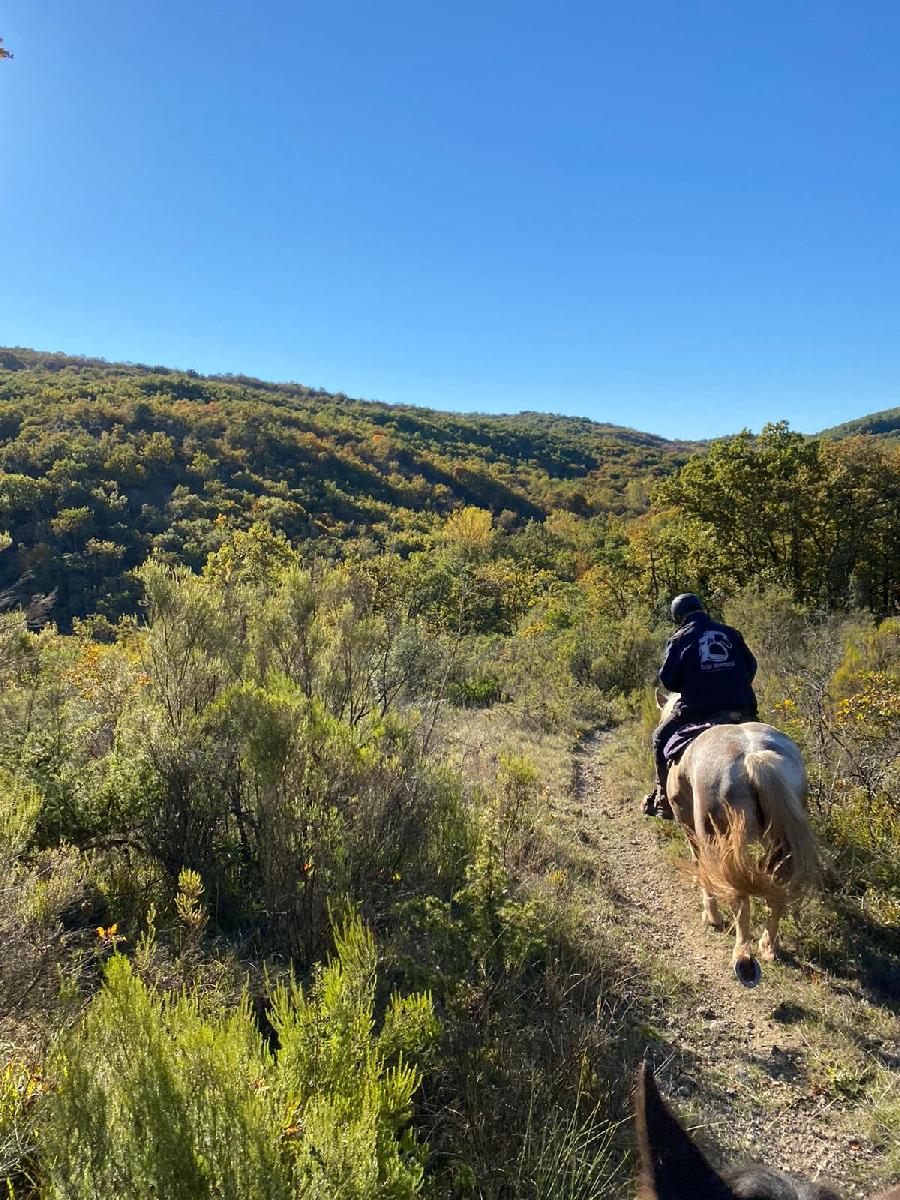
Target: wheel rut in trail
{"points": [[741, 1065]]}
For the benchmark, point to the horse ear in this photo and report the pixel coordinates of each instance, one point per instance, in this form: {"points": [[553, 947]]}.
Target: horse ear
{"points": [[672, 1168], [661, 699]]}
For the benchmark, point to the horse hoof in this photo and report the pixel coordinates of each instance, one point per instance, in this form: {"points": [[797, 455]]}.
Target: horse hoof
{"points": [[766, 952], [748, 972]]}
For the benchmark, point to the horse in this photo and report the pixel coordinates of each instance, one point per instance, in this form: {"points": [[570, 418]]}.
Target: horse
{"points": [[736, 785], [673, 1167]]}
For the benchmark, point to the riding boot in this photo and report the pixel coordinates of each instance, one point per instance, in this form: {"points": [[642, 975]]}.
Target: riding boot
{"points": [[648, 804], [656, 804]]}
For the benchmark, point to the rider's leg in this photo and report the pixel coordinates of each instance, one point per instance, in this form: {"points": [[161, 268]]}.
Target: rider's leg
{"points": [[658, 739], [657, 803]]}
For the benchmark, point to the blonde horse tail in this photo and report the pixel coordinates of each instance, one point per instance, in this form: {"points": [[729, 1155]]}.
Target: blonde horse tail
{"points": [[792, 855], [729, 867]]}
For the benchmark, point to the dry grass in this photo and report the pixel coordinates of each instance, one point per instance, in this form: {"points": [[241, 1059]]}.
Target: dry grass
{"points": [[475, 740]]}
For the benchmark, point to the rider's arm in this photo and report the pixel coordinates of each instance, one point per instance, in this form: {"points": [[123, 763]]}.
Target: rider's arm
{"points": [[670, 671]]}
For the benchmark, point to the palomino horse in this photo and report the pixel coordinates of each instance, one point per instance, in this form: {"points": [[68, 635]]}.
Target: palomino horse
{"points": [[673, 1168], [734, 786]]}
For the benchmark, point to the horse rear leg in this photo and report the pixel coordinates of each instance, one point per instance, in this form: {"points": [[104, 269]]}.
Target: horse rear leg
{"points": [[743, 947], [711, 914], [768, 943]]}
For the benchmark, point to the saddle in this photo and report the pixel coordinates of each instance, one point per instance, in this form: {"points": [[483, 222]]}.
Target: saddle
{"points": [[682, 738]]}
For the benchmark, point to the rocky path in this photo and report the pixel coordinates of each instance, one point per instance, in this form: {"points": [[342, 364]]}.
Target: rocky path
{"points": [[782, 1074]]}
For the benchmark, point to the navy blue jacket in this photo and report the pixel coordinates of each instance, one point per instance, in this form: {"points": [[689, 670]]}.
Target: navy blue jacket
{"points": [[710, 665]]}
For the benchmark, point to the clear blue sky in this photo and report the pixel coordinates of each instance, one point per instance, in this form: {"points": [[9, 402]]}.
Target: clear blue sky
{"points": [[680, 216]]}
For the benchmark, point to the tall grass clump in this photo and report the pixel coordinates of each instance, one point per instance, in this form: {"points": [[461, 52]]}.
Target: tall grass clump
{"points": [[569, 1156]]}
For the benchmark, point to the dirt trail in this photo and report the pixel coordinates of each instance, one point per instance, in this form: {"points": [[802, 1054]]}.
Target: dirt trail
{"points": [[751, 1069]]}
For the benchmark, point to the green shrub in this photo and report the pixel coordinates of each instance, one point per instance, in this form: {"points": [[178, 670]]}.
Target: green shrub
{"points": [[864, 833], [346, 1090], [479, 692], [616, 655], [154, 1096], [20, 1089]]}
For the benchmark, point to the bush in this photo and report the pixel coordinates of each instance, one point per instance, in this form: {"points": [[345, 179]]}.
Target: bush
{"points": [[479, 692], [20, 1089], [616, 655], [154, 1096]]}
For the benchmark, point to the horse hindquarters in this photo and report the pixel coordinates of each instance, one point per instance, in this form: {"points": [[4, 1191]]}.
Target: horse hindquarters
{"points": [[729, 870], [770, 807]]}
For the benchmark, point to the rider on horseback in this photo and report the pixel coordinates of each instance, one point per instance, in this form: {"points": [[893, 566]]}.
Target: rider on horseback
{"points": [[712, 669]]}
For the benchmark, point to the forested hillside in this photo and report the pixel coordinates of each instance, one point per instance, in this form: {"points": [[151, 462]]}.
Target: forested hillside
{"points": [[884, 425], [104, 464], [302, 894]]}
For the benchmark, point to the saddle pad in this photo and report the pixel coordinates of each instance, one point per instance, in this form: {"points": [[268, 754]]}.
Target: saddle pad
{"points": [[682, 738]]}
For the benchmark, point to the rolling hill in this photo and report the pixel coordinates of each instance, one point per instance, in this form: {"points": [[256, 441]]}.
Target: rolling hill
{"points": [[884, 425], [102, 464]]}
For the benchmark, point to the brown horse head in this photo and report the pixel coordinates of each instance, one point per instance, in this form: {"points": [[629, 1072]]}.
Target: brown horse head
{"points": [[673, 1168]]}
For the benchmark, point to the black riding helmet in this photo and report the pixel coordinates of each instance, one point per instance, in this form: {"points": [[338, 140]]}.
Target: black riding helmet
{"points": [[685, 604]]}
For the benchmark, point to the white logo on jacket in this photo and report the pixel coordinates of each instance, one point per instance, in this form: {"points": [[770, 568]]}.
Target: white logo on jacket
{"points": [[715, 650]]}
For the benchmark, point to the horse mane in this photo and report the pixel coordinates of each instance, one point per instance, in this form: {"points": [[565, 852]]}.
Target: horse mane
{"points": [[666, 703], [763, 1183]]}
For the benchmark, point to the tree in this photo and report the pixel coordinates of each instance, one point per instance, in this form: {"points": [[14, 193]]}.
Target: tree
{"points": [[860, 523], [759, 500]]}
